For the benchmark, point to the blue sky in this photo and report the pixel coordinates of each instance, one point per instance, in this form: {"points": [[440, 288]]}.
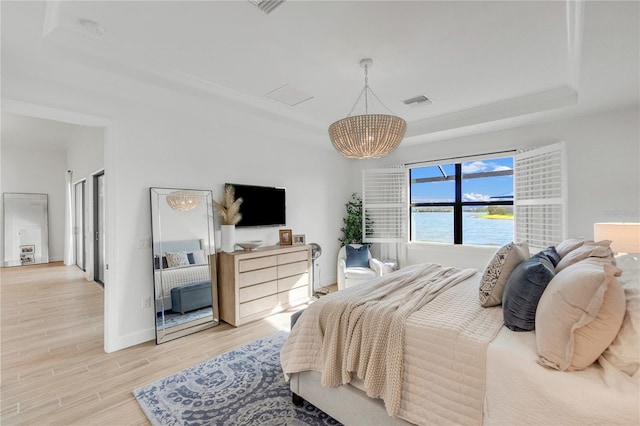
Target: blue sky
{"points": [[481, 189]]}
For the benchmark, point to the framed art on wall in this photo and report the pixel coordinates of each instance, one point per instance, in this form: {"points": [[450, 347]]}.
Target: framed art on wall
{"points": [[285, 237]]}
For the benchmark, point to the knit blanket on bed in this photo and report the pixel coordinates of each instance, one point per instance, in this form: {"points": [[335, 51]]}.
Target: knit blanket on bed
{"points": [[364, 333]]}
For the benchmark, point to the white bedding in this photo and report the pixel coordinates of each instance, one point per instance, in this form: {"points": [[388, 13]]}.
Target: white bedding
{"points": [[444, 354], [519, 391], [166, 279]]}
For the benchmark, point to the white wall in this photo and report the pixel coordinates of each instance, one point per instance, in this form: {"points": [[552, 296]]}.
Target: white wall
{"points": [[603, 153], [38, 170], [164, 139], [85, 157]]}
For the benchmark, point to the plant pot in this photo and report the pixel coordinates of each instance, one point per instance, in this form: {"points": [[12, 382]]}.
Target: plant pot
{"points": [[227, 238]]}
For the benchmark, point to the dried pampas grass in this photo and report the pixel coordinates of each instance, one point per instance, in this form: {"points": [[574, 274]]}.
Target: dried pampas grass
{"points": [[229, 208]]}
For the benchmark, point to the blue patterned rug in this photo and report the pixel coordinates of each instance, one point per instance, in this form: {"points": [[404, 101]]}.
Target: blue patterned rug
{"points": [[242, 387]]}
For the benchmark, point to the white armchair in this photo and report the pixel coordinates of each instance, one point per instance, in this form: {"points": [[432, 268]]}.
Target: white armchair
{"points": [[349, 276]]}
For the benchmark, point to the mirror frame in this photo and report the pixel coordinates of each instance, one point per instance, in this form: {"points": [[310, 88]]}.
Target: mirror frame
{"points": [[158, 202], [32, 252]]}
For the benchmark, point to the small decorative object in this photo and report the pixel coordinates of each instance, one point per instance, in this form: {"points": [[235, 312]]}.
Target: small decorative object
{"points": [[285, 237], [368, 135], [250, 245], [229, 210], [27, 254], [298, 239]]}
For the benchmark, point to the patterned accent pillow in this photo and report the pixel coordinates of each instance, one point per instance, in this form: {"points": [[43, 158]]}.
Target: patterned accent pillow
{"points": [[497, 272], [178, 258]]}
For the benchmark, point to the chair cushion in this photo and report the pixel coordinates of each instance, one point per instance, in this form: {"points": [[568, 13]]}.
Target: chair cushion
{"points": [[357, 257], [359, 273]]}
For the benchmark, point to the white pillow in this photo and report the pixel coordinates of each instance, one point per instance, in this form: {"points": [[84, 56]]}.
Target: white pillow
{"points": [[198, 257], [588, 249], [624, 352], [568, 245], [178, 258], [579, 315]]}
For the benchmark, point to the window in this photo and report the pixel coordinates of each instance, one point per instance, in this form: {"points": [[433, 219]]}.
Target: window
{"points": [[463, 203]]}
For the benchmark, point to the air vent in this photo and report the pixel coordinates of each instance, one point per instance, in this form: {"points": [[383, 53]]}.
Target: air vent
{"points": [[267, 6], [418, 100]]}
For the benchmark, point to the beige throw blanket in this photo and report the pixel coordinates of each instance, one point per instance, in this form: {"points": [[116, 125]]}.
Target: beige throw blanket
{"points": [[364, 331]]}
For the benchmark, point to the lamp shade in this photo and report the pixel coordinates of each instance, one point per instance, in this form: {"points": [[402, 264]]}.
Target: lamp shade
{"points": [[625, 237]]}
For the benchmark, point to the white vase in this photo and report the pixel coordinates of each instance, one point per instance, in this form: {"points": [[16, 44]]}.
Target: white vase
{"points": [[227, 238]]}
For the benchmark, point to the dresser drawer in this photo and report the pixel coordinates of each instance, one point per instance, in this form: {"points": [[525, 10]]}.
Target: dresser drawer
{"points": [[296, 294], [292, 269], [294, 281], [258, 276], [258, 305], [245, 265], [296, 256], [257, 291]]}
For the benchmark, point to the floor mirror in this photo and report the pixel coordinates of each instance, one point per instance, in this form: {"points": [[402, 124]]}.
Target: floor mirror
{"points": [[184, 263], [26, 229]]}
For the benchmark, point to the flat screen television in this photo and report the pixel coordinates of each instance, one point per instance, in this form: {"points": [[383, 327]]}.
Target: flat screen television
{"points": [[261, 205]]}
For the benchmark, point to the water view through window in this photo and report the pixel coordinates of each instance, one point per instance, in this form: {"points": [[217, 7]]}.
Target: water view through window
{"points": [[463, 203]]}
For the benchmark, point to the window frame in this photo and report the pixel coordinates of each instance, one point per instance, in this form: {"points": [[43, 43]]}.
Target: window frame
{"points": [[457, 204]]}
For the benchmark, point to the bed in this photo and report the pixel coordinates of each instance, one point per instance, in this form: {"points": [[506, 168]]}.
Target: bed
{"points": [[183, 264], [454, 374]]}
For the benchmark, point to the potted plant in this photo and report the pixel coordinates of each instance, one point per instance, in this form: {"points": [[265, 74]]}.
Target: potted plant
{"points": [[229, 211], [352, 229]]}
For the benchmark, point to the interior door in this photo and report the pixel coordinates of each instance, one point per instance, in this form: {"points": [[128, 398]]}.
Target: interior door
{"points": [[79, 228], [99, 228]]}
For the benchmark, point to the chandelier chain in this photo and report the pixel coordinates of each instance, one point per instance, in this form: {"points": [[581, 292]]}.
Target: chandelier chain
{"points": [[366, 90]]}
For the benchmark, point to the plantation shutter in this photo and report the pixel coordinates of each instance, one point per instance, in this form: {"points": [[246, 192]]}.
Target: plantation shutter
{"points": [[540, 196], [385, 205]]}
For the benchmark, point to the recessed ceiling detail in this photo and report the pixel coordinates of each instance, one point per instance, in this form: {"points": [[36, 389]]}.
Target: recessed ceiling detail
{"points": [[267, 6], [288, 95]]}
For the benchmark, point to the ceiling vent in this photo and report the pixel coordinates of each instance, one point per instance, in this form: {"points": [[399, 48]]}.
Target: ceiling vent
{"points": [[267, 6], [418, 100]]}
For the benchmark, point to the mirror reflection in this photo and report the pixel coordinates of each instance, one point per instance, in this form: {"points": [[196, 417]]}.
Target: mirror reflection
{"points": [[184, 265], [26, 229]]}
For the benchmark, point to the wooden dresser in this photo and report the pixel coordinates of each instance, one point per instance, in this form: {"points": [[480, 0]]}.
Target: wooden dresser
{"points": [[255, 284]]}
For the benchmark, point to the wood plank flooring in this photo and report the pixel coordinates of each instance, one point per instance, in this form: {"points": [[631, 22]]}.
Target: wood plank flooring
{"points": [[53, 366]]}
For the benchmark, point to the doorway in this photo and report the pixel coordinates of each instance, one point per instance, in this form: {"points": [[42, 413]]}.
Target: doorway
{"points": [[79, 233], [98, 226]]}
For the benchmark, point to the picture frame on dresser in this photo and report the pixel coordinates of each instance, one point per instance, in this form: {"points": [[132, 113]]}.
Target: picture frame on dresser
{"points": [[298, 239], [286, 238]]}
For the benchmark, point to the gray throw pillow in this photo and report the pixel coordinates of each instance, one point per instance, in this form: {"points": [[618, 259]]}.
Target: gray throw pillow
{"points": [[357, 257], [523, 291]]}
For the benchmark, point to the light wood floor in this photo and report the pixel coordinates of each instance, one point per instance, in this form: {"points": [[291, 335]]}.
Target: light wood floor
{"points": [[53, 366]]}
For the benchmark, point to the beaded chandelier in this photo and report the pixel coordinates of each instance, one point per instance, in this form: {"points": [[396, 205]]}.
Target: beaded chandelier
{"points": [[368, 135], [183, 200]]}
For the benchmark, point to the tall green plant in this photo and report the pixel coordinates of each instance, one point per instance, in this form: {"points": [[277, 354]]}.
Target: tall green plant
{"points": [[352, 229]]}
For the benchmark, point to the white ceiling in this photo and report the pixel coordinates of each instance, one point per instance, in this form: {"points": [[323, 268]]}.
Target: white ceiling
{"points": [[483, 64]]}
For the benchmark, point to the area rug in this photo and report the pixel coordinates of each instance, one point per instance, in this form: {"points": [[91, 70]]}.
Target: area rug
{"points": [[172, 319], [245, 386]]}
